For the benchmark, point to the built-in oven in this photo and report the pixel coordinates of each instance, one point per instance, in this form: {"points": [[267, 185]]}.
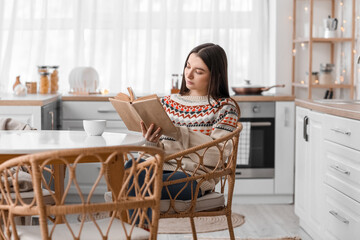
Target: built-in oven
{"points": [[258, 119]]}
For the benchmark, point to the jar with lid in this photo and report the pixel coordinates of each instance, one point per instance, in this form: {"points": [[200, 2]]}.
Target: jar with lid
{"points": [[54, 79], [325, 76], [44, 83]]}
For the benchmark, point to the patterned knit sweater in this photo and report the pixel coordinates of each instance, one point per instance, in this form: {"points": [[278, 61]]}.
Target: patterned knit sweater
{"points": [[198, 122]]}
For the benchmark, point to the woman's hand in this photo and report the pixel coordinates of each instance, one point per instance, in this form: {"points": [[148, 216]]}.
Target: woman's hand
{"points": [[150, 134]]}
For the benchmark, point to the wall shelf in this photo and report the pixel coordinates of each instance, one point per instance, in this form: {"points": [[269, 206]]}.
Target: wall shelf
{"points": [[331, 52]]}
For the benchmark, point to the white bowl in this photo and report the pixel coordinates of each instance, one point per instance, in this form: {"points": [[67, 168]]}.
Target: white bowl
{"points": [[94, 127]]}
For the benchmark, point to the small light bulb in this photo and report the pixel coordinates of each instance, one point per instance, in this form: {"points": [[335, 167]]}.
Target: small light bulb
{"points": [[344, 21], [302, 82], [316, 81], [341, 78], [341, 3], [358, 17], [342, 29], [344, 71], [294, 52], [290, 18], [302, 46], [306, 9], [354, 51]]}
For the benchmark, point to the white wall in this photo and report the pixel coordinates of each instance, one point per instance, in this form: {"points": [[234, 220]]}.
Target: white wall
{"points": [[281, 44]]}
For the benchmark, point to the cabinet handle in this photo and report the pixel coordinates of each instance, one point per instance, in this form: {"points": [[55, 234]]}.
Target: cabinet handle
{"points": [[51, 113], [341, 131], [305, 124], [106, 110], [340, 218], [339, 169]]}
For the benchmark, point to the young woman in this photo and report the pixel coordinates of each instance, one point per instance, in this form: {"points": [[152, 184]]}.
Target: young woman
{"points": [[202, 111]]}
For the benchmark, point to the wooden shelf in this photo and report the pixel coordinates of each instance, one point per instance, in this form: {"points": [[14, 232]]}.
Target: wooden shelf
{"points": [[322, 40], [300, 85], [331, 86], [330, 50]]}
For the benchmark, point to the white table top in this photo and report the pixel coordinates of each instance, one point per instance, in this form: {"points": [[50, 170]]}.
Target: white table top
{"points": [[24, 142]]}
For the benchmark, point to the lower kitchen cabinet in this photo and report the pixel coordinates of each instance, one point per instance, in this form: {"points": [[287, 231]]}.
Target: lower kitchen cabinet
{"points": [[327, 175], [45, 117], [309, 169], [74, 112]]}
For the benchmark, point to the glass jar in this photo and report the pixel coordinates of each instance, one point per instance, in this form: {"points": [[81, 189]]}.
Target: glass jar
{"points": [[44, 83], [54, 79], [325, 76]]}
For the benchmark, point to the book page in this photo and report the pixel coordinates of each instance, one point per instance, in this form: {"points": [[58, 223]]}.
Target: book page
{"points": [[127, 114], [151, 111]]}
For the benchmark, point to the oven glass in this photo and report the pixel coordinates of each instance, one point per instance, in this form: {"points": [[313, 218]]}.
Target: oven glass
{"points": [[262, 143]]}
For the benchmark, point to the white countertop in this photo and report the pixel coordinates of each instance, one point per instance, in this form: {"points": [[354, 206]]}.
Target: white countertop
{"points": [[24, 142]]}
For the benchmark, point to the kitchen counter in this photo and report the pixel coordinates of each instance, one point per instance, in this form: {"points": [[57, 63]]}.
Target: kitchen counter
{"points": [[9, 99], [340, 108], [90, 97], [238, 98], [262, 98]]}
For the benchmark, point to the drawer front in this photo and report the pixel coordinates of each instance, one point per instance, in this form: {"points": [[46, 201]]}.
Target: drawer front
{"points": [[342, 130], [72, 110], [342, 169], [341, 215], [77, 125]]}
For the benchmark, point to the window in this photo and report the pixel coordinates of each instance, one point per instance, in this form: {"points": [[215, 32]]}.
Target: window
{"points": [[137, 43]]}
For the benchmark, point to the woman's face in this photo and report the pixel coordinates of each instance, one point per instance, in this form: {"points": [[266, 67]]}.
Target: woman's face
{"points": [[197, 76]]}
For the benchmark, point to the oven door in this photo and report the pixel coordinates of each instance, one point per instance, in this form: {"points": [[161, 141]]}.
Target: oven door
{"points": [[261, 152]]}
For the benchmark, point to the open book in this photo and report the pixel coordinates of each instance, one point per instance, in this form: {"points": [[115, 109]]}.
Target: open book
{"points": [[147, 109]]}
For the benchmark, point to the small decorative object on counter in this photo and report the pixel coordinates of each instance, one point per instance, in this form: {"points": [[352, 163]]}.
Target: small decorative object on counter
{"points": [[31, 87], [17, 82], [54, 79], [44, 83], [175, 84], [326, 73], [19, 89]]}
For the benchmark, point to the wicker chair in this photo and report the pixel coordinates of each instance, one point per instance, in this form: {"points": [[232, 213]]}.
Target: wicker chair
{"points": [[81, 220], [212, 203]]}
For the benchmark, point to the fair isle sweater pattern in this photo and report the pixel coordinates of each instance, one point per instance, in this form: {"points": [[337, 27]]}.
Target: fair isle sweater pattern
{"points": [[197, 114], [201, 122]]}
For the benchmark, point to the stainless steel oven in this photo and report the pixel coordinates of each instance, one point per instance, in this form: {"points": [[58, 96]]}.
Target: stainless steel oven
{"points": [[260, 117]]}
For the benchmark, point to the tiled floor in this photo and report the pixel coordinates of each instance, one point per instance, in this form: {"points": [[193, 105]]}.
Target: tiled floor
{"points": [[261, 221]]}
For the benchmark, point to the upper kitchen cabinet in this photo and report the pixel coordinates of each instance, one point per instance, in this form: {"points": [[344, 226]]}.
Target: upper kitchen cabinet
{"points": [[40, 111], [323, 62]]}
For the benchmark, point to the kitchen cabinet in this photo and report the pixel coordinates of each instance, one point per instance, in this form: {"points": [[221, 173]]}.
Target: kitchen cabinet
{"points": [[309, 169], [342, 178], [327, 175], [74, 112], [313, 45], [40, 112]]}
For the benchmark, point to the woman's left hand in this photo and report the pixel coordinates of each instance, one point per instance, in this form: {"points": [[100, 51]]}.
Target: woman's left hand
{"points": [[150, 134]]}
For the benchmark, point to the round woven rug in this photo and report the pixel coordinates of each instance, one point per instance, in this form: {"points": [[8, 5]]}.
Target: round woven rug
{"points": [[202, 224]]}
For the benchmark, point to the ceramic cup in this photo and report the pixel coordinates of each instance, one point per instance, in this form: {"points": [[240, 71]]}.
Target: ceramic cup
{"points": [[94, 127]]}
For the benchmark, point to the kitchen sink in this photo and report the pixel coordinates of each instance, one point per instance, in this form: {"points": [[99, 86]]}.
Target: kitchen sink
{"points": [[337, 101]]}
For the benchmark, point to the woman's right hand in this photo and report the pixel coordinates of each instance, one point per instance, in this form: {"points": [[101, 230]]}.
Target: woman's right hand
{"points": [[150, 134]]}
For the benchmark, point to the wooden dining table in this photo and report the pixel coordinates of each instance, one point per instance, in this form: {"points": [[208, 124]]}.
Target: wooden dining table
{"points": [[15, 143]]}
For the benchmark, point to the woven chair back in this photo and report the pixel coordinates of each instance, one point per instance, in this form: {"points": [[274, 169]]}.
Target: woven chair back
{"points": [[62, 213]]}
